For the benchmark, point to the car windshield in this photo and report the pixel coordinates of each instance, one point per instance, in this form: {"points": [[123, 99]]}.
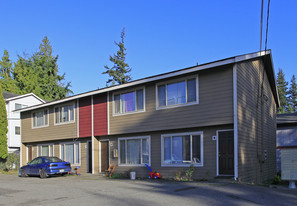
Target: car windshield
{"points": [[52, 159]]}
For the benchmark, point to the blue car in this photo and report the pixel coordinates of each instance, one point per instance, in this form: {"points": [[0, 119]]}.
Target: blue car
{"points": [[45, 166]]}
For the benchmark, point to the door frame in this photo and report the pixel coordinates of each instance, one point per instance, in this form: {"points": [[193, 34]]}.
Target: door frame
{"points": [[88, 156], [103, 140], [217, 150], [27, 147]]}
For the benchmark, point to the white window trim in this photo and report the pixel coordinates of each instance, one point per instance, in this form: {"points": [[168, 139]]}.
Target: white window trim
{"points": [[39, 152], [32, 122], [79, 151], [182, 165], [134, 165], [127, 91], [15, 130], [69, 122], [174, 81]]}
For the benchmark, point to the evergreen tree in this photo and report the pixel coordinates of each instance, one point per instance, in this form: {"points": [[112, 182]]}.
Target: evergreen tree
{"points": [[119, 73], [282, 91], [293, 95], [5, 66], [40, 74], [3, 127], [6, 71]]}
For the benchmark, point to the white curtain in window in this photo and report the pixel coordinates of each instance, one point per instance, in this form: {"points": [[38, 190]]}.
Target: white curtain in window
{"points": [[76, 153], [70, 153], [62, 152], [133, 151], [145, 151], [177, 150], [44, 151]]}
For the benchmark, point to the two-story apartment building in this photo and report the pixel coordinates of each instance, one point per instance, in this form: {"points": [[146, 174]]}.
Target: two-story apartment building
{"points": [[14, 102], [219, 117]]}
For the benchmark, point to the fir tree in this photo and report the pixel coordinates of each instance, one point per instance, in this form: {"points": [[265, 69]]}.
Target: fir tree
{"points": [[3, 127], [293, 95], [40, 74], [119, 73], [6, 72], [282, 91]]}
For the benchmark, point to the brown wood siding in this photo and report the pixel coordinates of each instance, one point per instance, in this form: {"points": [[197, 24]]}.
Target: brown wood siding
{"points": [[215, 107], [256, 124], [208, 171], [96, 156], [52, 132]]}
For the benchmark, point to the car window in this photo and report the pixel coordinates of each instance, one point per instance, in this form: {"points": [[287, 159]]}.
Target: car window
{"points": [[52, 159], [36, 161]]}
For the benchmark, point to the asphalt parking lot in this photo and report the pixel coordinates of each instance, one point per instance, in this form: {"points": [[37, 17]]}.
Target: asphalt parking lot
{"points": [[96, 190]]}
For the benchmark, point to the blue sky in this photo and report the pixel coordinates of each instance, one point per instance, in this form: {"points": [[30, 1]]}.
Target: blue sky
{"points": [[161, 36]]}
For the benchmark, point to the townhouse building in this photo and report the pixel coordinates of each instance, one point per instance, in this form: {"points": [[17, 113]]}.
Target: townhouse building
{"points": [[219, 117]]}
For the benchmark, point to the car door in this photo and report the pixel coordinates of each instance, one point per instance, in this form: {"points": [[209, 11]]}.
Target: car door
{"points": [[36, 165]]}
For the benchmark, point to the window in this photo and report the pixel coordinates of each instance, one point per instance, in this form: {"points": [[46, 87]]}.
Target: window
{"points": [[132, 101], [17, 130], [70, 152], [182, 149], [19, 106], [46, 150], [64, 114], [134, 150], [40, 118], [177, 93]]}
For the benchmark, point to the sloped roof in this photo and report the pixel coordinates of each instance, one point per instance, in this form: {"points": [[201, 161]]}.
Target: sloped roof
{"points": [[290, 118], [8, 95]]}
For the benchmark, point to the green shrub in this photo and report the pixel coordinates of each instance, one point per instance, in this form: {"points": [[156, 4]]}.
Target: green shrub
{"points": [[189, 173], [276, 180]]}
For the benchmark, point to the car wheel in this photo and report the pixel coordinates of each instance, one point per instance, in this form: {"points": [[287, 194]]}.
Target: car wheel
{"points": [[42, 174], [23, 173]]}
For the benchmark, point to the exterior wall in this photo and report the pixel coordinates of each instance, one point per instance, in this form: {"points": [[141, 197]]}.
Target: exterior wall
{"points": [[207, 171], [256, 124], [85, 117], [14, 120], [83, 151], [96, 156], [286, 136], [100, 114], [51, 132], [215, 107]]}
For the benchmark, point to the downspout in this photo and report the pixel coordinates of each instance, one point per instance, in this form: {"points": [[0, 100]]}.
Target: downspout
{"points": [[92, 113], [235, 121]]}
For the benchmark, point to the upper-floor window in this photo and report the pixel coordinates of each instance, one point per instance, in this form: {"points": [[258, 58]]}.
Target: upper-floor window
{"points": [[64, 114], [40, 118], [19, 106], [177, 93], [132, 101], [17, 130]]}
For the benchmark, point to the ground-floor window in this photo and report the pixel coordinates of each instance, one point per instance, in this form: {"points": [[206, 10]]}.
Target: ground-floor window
{"points": [[70, 152], [182, 149], [134, 150], [46, 150]]}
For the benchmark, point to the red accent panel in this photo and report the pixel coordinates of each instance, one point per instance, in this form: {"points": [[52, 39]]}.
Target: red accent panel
{"points": [[85, 117], [100, 114]]}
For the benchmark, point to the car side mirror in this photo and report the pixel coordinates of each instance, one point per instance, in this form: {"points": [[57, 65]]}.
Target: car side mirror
{"points": [[28, 163]]}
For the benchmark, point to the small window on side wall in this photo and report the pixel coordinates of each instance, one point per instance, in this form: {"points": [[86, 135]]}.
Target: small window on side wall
{"points": [[129, 102], [17, 130]]}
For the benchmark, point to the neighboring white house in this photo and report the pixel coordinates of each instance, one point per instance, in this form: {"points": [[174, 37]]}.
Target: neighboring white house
{"points": [[13, 103]]}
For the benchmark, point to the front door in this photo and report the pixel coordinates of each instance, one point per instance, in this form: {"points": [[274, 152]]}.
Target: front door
{"points": [[104, 156], [226, 153], [90, 157]]}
